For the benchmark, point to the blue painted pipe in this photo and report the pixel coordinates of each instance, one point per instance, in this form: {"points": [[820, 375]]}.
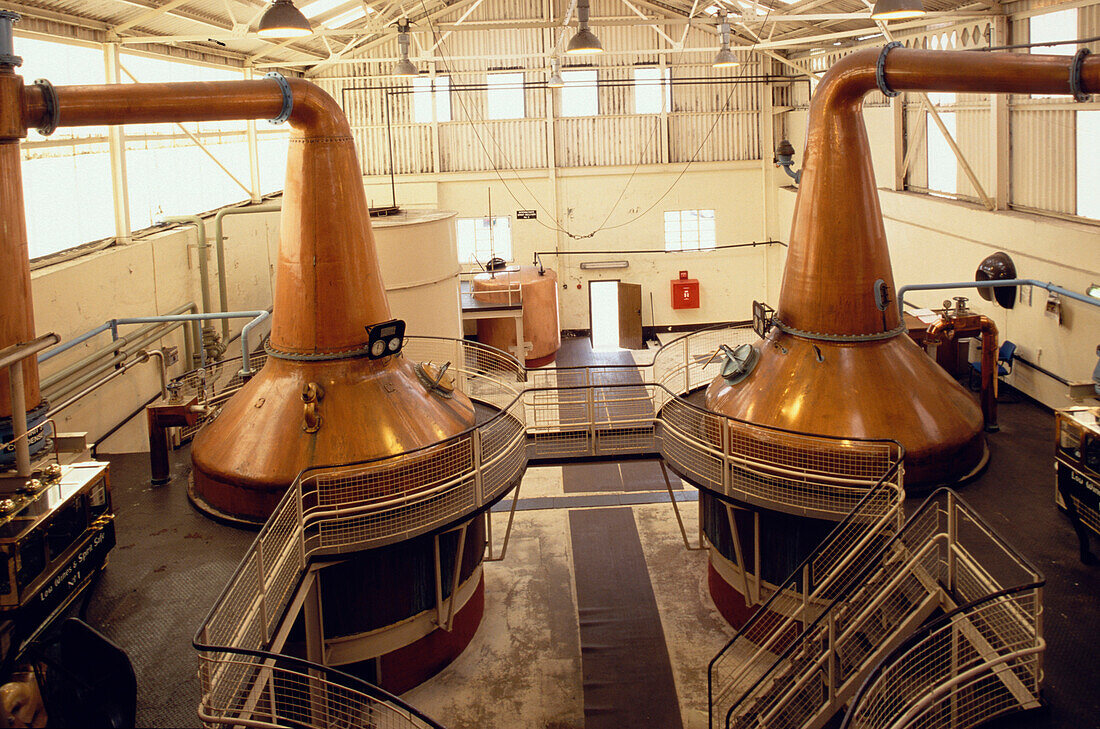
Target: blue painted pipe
{"points": [[258, 318], [993, 284]]}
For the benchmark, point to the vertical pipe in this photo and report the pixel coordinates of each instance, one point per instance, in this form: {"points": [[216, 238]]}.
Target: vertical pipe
{"points": [[17, 322], [116, 144], [219, 249], [158, 450], [19, 420]]}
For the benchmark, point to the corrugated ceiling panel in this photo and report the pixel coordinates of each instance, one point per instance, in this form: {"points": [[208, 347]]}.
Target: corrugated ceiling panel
{"points": [[600, 141], [1043, 159], [511, 144], [700, 138]]}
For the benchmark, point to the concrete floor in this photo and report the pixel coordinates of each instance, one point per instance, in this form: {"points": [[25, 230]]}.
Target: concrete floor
{"points": [[523, 668]]}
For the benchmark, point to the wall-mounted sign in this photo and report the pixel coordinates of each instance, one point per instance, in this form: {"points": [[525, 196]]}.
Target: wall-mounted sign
{"points": [[526, 215]]}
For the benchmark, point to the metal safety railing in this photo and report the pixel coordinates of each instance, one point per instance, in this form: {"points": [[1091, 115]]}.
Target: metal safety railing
{"points": [[335, 510], [978, 662], [278, 691], [800, 674]]}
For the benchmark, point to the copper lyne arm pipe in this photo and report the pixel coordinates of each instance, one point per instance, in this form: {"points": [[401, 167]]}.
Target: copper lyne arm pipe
{"points": [[837, 249], [313, 112], [328, 284]]}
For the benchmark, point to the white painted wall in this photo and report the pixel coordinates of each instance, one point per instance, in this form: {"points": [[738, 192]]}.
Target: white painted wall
{"points": [[936, 240], [729, 280], [150, 276], [159, 272]]}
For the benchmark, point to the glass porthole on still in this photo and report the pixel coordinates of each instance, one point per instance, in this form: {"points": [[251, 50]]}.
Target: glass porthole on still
{"points": [[384, 340]]}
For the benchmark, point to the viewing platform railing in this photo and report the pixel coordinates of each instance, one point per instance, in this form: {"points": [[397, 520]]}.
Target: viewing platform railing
{"points": [[539, 414]]}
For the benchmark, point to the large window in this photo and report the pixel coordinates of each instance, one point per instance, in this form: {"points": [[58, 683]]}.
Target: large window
{"points": [[579, 96], [651, 91], [1057, 26], [943, 166], [478, 241], [505, 96], [427, 91], [167, 172], [689, 230], [1088, 173]]}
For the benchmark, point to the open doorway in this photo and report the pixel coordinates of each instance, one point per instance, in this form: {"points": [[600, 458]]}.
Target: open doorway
{"points": [[615, 313]]}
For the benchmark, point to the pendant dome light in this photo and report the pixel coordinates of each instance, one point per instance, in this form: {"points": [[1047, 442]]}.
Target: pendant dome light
{"points": [[897, 9], [725, 57], [555, 81], [585, 41], [283, 20], [404, 68]]}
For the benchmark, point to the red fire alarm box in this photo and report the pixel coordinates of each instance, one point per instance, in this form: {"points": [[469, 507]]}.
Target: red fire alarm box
{"points": [[685, 292]]}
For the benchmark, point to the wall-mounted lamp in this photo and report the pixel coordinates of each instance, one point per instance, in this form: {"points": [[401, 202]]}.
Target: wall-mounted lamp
{"points": [[585, 41], [897, 9], [725, 57], [784, 157], [404, 67], [555, 81], [1093, 291], [598, 265], [283, 20]]}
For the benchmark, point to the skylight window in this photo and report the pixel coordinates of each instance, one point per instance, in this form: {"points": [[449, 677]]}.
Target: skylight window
{"points": [[320, 7], [344, 18]]}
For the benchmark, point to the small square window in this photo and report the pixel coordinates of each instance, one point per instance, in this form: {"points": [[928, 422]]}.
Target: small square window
{"points": [[478, 241], [689, 230]]}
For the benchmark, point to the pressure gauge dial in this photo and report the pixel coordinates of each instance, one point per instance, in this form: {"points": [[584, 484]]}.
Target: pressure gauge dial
{"points": [[385, 339]]}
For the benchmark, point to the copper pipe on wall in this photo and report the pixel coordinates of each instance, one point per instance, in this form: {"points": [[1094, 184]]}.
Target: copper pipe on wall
{"points": [[954, 327], [839, 362]]}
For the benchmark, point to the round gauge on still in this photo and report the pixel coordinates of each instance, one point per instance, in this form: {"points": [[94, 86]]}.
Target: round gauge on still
{"points": [[378, 348], [395, 344]]}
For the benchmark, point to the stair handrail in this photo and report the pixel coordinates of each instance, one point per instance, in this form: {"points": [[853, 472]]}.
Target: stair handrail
{"points": [[884, 487], [266, 661], [955, 501], [922, 634]]}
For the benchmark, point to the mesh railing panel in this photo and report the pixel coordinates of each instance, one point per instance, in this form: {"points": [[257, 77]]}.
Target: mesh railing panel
{"points": [[270, 691], [975, 665], [803, 669]]}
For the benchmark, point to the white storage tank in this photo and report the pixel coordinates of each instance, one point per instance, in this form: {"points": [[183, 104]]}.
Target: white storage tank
{"points": [[418, 255]]}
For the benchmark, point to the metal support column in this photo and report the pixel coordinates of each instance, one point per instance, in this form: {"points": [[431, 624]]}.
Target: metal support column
{"points": [[116, 145]]}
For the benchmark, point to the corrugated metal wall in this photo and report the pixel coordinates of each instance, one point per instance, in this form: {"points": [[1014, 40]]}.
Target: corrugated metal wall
{"points": [[711, 119]]}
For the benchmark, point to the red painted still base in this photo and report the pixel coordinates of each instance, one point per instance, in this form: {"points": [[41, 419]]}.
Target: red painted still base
{"points": [[729, 601], [408, 667]]}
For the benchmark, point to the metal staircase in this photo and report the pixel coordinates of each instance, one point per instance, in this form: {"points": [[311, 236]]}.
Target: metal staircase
{"points": [[796, 671]]}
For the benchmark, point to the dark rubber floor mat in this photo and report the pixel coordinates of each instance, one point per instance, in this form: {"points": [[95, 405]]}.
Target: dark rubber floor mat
{"points": [[626, 673], [643, 475]]}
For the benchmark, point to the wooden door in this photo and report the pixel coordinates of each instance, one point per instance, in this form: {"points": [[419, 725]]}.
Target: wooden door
{"points": [[630, 316]]}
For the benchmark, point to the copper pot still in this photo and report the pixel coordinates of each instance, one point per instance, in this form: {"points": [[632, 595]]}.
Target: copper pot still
{"points": [[837, 360]]}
